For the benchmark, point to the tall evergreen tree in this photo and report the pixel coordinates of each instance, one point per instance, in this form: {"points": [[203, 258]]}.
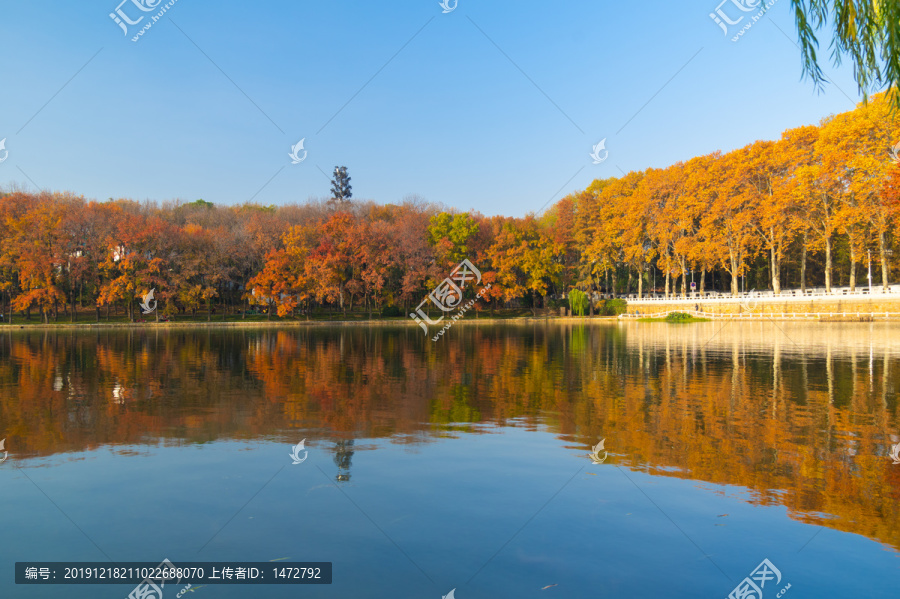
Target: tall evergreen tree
{"points": [[340, 185]]}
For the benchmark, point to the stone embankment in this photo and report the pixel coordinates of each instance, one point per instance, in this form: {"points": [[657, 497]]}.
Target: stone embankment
{"points": [[838, 304]]}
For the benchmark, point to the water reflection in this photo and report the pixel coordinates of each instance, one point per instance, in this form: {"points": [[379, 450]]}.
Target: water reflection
{"points": [[799, 415], [343, 458]]}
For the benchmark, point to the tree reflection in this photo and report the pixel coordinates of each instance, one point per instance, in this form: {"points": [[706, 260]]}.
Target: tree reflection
{"points": [[343, 459], [801, 417]]}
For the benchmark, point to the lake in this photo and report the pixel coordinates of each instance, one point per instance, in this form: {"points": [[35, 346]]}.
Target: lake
{"points": [[463, 463]]}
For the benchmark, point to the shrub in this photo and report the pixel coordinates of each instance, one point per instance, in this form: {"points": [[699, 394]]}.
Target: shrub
{"points": [[390, 312], [613, 307], [679, 317]]}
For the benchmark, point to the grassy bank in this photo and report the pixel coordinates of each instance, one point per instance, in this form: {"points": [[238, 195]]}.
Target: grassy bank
{"points": [[675, 318]]}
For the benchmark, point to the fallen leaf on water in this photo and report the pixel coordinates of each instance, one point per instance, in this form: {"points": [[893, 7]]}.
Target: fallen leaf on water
{"points": [[278, 559], [592, 473], [721, 515], [548, 586]]}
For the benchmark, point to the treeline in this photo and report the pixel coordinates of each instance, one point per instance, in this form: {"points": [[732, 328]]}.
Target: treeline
{"points": [[821, 196], [809, 208]]}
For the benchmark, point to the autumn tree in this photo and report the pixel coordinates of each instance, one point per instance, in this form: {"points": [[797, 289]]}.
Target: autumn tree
{"points": [[526, 260], [36, 246], [854, 147], [449, 235], [332, 263], [796, 149], [728, 223]]}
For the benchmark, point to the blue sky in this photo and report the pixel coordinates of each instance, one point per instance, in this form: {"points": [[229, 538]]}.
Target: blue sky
{"points": [[494, 106]]}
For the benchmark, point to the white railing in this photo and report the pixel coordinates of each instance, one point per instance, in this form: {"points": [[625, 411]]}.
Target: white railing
{"points": [[769, 296], [766, 315]]}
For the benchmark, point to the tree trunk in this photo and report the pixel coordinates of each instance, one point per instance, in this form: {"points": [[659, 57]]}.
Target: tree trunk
{"points": [[702, 280], [684, 282], [667, 283], [827, 264], [776, 266], [734, 277], [803, 266], [884, 264], [852, 267], [640, 289]]}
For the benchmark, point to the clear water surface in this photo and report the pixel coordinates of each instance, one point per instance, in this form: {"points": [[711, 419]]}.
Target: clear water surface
{"points": [[461, 464]]}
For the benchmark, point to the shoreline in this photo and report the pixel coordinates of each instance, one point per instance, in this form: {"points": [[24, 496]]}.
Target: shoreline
{"points": [[284, 324], [146, 326]]}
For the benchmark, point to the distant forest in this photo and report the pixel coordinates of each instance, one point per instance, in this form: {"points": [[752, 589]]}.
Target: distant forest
{"points": [[809, 209]]}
